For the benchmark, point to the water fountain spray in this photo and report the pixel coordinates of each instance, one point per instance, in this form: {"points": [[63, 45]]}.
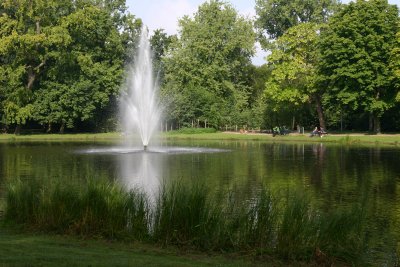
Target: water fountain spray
{"points": [[140, 109]]}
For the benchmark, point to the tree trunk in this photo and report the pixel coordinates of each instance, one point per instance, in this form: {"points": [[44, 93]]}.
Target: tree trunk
{"points": [[320, 112], [371, 123], [31, 78], [293, 122], [49, 128], [17, 130], [37, 27], [377, 124], [62, 128]]}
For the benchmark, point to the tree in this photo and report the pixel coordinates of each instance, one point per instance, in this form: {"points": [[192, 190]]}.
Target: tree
{"points": [[355, 52], [86, 73], [206, 67], [27, 35], [160, 43], [275, 17], [62, 61], [395, 65], [294, 67]]}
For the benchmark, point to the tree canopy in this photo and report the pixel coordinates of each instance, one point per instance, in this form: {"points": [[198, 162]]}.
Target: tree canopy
{"points": [[61, 60], [294, 68], [355, 57], [206, 66], [62, 64], [275, 17]]}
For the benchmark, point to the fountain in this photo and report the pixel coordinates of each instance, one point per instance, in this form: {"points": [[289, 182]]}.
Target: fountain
{"points": [[140, 108], [140, 113]]}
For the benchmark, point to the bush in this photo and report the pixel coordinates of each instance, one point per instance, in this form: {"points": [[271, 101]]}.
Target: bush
{"points": [[194, 130]]}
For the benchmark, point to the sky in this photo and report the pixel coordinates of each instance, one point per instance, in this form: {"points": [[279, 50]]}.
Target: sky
{"points": [[165, 14]]}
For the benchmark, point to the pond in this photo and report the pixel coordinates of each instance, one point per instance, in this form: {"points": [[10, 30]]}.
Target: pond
{"points": [[333, 175]]}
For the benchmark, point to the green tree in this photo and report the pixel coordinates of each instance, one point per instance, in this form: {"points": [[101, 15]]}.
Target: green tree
{"points": [[275, 17], [160, 43], [355, 52], [62, 61], [86, 73], [206, 68], [27, 35], [395, 65], [294, 68]]}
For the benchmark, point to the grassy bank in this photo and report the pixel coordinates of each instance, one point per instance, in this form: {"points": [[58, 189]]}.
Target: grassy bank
{"points": [[190, 218], [348, 139], [25, 249], [351, 138]]}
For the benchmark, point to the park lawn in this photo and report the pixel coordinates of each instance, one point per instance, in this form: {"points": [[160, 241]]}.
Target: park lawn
{"points": [[27, 249], [351, 138]]}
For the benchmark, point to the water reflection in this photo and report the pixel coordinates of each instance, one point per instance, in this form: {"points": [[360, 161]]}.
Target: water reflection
{"points": [[316, 174], [141, 171], [335, 176]]}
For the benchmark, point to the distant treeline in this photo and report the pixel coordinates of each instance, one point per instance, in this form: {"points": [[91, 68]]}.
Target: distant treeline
{"points": [[62, 65]]}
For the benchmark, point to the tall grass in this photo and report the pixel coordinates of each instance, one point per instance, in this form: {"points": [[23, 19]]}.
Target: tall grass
{"points": [[184, 215], [97, 209], [190, 216]]}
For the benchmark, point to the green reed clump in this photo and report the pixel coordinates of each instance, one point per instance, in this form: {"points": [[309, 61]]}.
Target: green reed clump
{"points": [[261, 222], [342, 233], [184, 215], [96, 209], [298, 229], [191, 217], [22, 202], [58, 208]]}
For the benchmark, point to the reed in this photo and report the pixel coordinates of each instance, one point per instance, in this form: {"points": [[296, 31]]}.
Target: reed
{"points": [[261, 221], [298, 229], [22, 202], [185, 216], [189, 216], [342, 234], [97, 209]]}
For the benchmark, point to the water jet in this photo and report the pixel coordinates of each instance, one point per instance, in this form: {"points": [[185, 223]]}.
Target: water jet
{"points": [[139, 107]]}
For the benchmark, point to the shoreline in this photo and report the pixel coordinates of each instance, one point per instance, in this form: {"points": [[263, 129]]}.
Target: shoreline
{"points": [[392, 139]]}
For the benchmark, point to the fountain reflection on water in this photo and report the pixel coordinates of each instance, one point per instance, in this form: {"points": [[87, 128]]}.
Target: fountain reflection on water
{"points": [[141, 172], [141, 114]]}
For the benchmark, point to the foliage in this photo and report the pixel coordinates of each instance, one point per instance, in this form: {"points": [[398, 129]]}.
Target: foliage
{"points": [[61, 61], [294, 68], [275, 17], [395, 64], [97, 209], [160, 43], [205, 68], [194, 131], [355, 52]]}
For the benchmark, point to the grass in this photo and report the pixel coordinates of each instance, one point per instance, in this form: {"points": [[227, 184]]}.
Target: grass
{"points": [[347, 139], [26, 249], [191, 218], [209, 134], [61, 137]]}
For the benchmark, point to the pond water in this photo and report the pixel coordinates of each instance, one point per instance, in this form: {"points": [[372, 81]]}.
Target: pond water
{"points": [[333, 175]]}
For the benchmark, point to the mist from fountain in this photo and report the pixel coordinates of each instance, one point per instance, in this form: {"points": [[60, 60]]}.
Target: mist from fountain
{"points": [[140, 109]]}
